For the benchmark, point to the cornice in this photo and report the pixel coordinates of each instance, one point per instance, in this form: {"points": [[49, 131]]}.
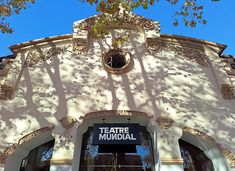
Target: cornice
{"points": [[190, 40], [64, 37]]}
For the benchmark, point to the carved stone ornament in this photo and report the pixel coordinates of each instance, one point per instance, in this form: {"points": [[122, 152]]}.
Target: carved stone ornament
{"points": [[164, 122], [198, 133], [227, 91], [36, 56], [110, 113], [228, 154], [192, 54], [9, 150], [79, 47], [6, 92], [229, 65], [87, 23], [67, 122], [126, 17], [153, 45], [6, 67]]}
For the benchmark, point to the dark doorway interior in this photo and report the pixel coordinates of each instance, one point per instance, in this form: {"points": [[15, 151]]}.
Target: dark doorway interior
{"points": [[39, 158], [194, 158]]}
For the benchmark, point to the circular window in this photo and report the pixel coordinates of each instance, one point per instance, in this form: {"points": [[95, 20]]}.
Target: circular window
{"points": [[116, 61]]}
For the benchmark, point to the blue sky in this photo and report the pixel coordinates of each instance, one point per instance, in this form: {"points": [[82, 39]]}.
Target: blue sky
{"points": [[55, 17]]}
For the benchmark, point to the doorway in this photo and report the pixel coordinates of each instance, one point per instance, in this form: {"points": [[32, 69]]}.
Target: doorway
{"points": [[117, 157], [194, 158]]}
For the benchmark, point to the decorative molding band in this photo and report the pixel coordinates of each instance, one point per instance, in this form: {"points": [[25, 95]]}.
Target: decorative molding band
{"points": [[229, 64], [9, 150], [227, 91], [157, 45], [198, 133], [153, 45], [6, 66], [6, 92], [38, 55], [169, 161], [126, 18], [80, 46], [110, 113], [230, 155], [61, 161]]}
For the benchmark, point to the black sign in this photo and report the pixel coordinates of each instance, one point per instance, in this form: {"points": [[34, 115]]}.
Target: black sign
{"points": [[116, 134]]}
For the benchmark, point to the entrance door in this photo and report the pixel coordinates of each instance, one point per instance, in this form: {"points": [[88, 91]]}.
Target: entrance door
{"points": [[123, 159], [119, 163], [194, 158]]}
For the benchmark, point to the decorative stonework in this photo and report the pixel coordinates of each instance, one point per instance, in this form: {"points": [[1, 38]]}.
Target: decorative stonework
{"points": [[128, 18], [228, 154], [171, 161], [87, 23], [164, 122], [228, 65], [227, 91], [67, 122], [110, 113], [6, 68], [79, 47], [35, 56], [153, 45], [6, 92], [199, 133], [9, 150], [158, 46]]}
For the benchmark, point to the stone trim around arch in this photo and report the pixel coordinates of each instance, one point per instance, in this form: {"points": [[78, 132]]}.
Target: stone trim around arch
{"points": [[113, 113], [117, 116], [228, 154], [11, 149]]}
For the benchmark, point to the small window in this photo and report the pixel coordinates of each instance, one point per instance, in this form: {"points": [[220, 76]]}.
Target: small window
{"points": [[116, 61]]}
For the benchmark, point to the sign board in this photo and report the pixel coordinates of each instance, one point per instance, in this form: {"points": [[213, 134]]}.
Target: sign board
{"points": [[112, 133]]}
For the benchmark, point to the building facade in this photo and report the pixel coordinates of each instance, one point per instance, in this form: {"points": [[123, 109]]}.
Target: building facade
{"points": [[158, 102]]}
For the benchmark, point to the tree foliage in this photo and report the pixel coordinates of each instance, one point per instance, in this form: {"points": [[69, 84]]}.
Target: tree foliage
{"points": [[191, 12], [9, 8]]}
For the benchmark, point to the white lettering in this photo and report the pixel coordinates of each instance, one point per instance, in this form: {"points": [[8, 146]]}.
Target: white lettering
{"points": [[102, 136], [126, 130]]}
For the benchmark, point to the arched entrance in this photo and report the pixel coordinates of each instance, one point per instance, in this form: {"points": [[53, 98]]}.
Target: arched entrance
{"points": [[39, 158], [194, 158], [32, 152], [116, 157], [200, 152]]}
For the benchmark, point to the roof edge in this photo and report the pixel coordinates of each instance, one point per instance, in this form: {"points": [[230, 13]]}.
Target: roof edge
{"points": [[42, 40]]}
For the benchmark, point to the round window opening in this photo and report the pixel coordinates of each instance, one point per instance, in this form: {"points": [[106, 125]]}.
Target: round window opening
{"points": [[116, 61]]}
